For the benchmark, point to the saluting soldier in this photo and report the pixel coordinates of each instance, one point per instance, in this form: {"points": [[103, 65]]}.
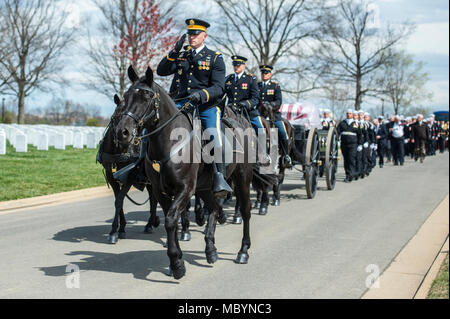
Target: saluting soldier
{"points": [[349, 132], [270, 93], [200, 72]]}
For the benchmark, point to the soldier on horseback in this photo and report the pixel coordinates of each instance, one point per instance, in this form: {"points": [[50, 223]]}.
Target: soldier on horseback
{"points": [[200, 73], [270, 92]]}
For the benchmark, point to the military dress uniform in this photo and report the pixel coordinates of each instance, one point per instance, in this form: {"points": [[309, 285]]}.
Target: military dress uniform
{"points": [[243, 93], [349, 133], [382, 133], [360, 154], [271, 93], [327, 123], [199, 77], [372, 146]]}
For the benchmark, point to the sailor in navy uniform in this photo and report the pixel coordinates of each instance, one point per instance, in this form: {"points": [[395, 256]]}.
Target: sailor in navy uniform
{"points": [[200, 72], [270, 93], [349, 133], [326, 120]]}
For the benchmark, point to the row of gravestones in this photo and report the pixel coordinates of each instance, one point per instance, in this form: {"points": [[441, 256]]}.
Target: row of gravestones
{"points": [[44, 136]]}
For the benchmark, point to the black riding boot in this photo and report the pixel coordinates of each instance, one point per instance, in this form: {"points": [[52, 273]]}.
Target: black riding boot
{"points": [[286, 160], [221, 189]]}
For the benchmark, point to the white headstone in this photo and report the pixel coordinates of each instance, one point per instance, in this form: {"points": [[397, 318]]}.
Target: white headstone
{"points": [[69, 137], [2, 143], [42, 144], [91, 140], [78, 140], [60, 141], [21, 143]]}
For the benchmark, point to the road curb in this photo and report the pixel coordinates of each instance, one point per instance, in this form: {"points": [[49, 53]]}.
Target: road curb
{"points": [[425, 287], [53, 199], [407, 273]]}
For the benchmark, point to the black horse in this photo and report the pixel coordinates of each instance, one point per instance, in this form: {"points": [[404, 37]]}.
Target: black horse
{"points": [[114, 156], [148, 106], [267, 113]]}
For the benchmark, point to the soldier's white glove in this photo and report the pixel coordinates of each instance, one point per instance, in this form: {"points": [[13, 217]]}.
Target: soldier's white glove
{"points": [[406, 141], [359, 148], [375, 147], [366, 145]]}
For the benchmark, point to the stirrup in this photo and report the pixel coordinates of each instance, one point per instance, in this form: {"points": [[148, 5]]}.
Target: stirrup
{"points": [[221, 189], [286, 161]]}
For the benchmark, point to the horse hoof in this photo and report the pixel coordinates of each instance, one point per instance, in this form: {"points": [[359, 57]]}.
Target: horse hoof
{"points": [[148, 230], [211, 257], [114, 238], [178, 272], [222, 219], [156, 222], [237, 220], [276, 202], [200, 221], [263, 211], [185, 236], [122, 235], [242, 258], [165, 244]]}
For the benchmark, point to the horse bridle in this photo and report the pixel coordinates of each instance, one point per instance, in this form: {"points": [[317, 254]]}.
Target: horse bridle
{"points": [[154, 113]]}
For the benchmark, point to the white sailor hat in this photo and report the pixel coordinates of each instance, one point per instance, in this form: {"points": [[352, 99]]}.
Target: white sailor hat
{"points": [[349, 111], [360, 112], [327, 111], [366, 114]]}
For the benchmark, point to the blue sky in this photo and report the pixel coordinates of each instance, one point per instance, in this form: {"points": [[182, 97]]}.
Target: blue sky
{"points": [[429, 43]]}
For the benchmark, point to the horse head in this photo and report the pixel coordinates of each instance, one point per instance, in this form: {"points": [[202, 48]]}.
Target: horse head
{"points": [[140, 105], [266, 111]]}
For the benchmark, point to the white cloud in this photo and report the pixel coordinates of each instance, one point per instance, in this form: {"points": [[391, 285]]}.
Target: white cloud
{"points": [[429, 38]]}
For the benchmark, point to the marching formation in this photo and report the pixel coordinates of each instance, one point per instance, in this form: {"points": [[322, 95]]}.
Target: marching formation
{"points": [[362, 141], [138, 148]]}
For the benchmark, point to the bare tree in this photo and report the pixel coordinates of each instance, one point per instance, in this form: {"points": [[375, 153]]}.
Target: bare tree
{"points": [[36, 37], [272, 32], [404, 81], [353, 49], [108, 68]]}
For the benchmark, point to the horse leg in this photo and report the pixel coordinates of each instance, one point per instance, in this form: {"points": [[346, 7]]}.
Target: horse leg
{"points": [[237, 218], [264, 202], [153, 219], [185, 233], [213, 207], [118, 203], [171, 224], [277, 188], [257, 204], [199, 212], [243, 192]]}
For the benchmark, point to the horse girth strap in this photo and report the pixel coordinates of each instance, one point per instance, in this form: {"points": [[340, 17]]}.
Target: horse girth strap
{"points": [[116, 158]]}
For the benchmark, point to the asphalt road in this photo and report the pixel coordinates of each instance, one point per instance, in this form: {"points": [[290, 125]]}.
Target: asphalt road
{"points": [[317, 248]]}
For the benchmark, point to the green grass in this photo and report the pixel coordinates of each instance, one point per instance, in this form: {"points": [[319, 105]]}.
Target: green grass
{"points": [[439, 288], [38, 173]]}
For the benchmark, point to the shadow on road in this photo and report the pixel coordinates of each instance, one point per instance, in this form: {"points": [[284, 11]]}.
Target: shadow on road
{"points": [[138, 263]]}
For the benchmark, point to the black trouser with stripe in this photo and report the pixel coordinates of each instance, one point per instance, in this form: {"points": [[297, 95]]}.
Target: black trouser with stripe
{"points": [[349, 154]]}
